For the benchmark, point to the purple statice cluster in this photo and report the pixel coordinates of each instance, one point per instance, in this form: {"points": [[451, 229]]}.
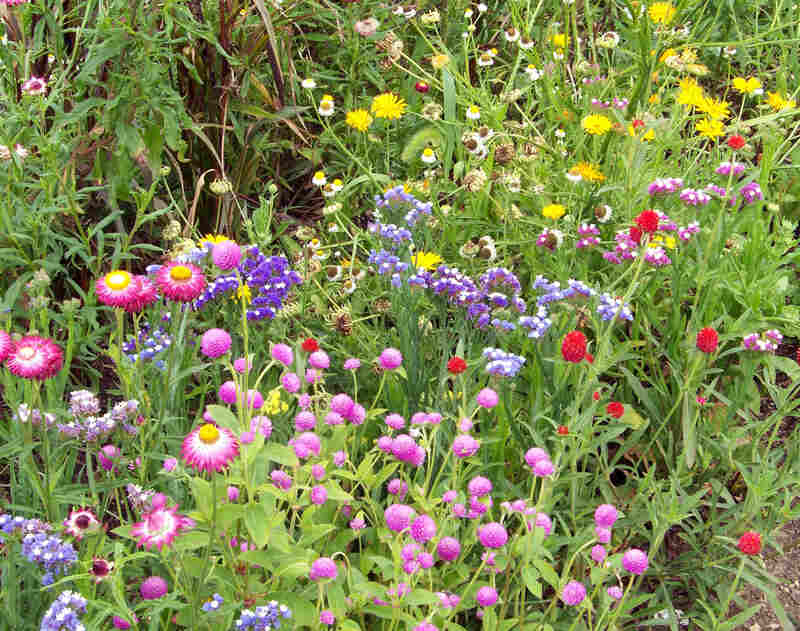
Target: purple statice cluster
{"points": [[25, 414], [502, 363], [269, 280], [763, 343], [86, 425], [726, 169], [391, 232], [386, 262], [617, 103], [608, 307], [536, 324], [656, 256], [147, 346], [750, 192], [693, 197], [588, 234], [397, 198], [264, 618], [65, 613], [216, 601], [665, 186], [10, 525], [52, 554]]}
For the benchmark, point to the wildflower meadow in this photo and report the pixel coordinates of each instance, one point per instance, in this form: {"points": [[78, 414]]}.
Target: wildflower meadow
{"points": [[367, 316]]}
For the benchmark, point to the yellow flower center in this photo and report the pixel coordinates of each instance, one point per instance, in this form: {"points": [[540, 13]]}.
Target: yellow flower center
{"points": [[180, 272], [27, 352], [208, 434], [118, 280]]}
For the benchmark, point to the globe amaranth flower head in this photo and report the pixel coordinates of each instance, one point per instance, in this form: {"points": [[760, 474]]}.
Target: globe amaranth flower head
{"points": [[486, 596], [34, 357], [465, 446], [180, 282], [210, 448], [573, 593], [153, 587], [65, 613], [635, 561], [160, 525], [605, 515], [215, 343], [390, 358], [324, 568], [398, 517], [493, 535]]}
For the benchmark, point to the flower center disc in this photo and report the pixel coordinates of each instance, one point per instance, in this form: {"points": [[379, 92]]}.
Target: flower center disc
{"points": [[180, 272], [118, 280], [27, 352], [208, 434]]}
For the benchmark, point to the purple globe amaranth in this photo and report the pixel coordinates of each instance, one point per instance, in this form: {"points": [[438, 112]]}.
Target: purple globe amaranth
{"points": [[534, 455], [283, 354], [448, 549], [479, 486], [215, 343], [342, 404], [493, 535], [486, 596], [423, 529], [487, 398], [324, 568], [635, 561], [605, 515], [390, 359], [153, 587], [573, 593], [398, 517]]}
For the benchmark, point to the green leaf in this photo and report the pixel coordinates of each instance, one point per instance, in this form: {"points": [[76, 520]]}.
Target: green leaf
{"points": [[531, 578], [257, 521], [315, 534], [547, 572], [223, 416], [281, 454]]}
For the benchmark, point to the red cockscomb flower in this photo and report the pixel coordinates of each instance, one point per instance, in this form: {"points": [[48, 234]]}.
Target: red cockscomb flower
{"points": [[35, 357], [736, 142], [615, 409], [573, 348], [456, 365], [750, 543], [647, 221], [707, 340], [309, 345]]}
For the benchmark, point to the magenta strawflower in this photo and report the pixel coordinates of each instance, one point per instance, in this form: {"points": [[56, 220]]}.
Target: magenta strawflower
{"points": [[117, 289], [210, 448], [215, 343], [34, 85], [487, 398], [605, 515], [398, 517], [181, 282], [486, 596], [598, 553], [6, 345], [227, 392], [479, 486], [153, 588], [160, 526], [319, 360], [226, 255], [390, 359], [635, 561], [81, 522], [146, 294], [573, 593], [283, 354], [423, 529], [448, 549], [493, 535], [324, 568], [35, 357]]}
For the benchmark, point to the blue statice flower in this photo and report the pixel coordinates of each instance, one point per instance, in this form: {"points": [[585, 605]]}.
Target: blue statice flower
{"points": [[386, 263], [397, 197], [213, 604], [51, 553], [390, 231], [611, 307], [10, 524], [25, 414], [88, 428], [264, 618], [537, 324], [502, 363], [503, 325], [65, 612], [147, 346]]}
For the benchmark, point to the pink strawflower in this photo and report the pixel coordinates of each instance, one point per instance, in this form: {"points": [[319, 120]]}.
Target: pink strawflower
{"points": [[319, 360], [6, 345], [35, 357], [226, 255], [282, 353], [398, 517], [34, 86], [603, 534], [210, 448], [486, 596], [181, 282], [153, 588], [635, 561], [215, 343], [160, 526], [81, 522], [390, 359], [493, 535], [448, 549], [605, 515], [479, 486], [487, 398], [290, 382], [352, 364], [117, 289], [319, 495], [423, 529], [323, 568], [573, 593], [465, 446], [598, 553], [146, 294], [227, 392]]}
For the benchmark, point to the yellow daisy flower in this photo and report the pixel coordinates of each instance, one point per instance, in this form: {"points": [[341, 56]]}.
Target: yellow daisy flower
{"points": [[596, 124], [777, 102], [748, 86], [428, 260], [554, 211], [661, 12], [358, 119], [710, 128], [388, 105], [588, 172]]}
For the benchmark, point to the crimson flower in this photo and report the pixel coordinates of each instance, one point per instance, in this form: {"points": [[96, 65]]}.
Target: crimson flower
{"points": [[573, 348], [750, 543], [707, 340], [736, 142], [456, 365], [647, 221], [309, 345], [615, 409]]}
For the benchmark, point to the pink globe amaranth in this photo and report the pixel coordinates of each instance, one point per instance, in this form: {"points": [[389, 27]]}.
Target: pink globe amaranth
{"points": [[493, 535], [281, 479], [317, 472], [397, 487], [120, 623], [419, 418], [395, 421], [226, 255], [419, 456], [598, 554], [409, 551], [304, 401], [425, 560], [290, 382], [573, 593], [255, 400], [170, 464], [398, 517], [487, 398], [227, 392], [534, 455], [486, 596], [326, 616], [153, 587], [423, 529], [339, 458], [603, 534], [385, 444], [449, 496], [107, 455], [352, 364], [357, 414], [404, 447], [323, 568], [426, 626], [262, 425], [282, 353], [543, 468], [409, 567], [310, 441], [333, 419], [465, 425], [215, 343], [635, 561], [312, 376], [390, 359], [319, 360], [319, 495], [605, 515], [247, 438], [448, 549], [465, 446], [304, 421], [342, 404], [479, 486], [233, 493], [241, 365], [615, 592]]}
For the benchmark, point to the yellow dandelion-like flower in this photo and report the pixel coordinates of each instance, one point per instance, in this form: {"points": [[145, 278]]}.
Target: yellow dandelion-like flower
{"points": [[690, 93], [596, 124], [212, 239], [714, 108], [358, 119], [748, 86], [777, 101], [244, 294], [428, 260], [560, 40], [661, 12], [666, 241], [388, 105], [670, 52], [554, 211], [710, 128], [588, 172], [439, 61]]}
